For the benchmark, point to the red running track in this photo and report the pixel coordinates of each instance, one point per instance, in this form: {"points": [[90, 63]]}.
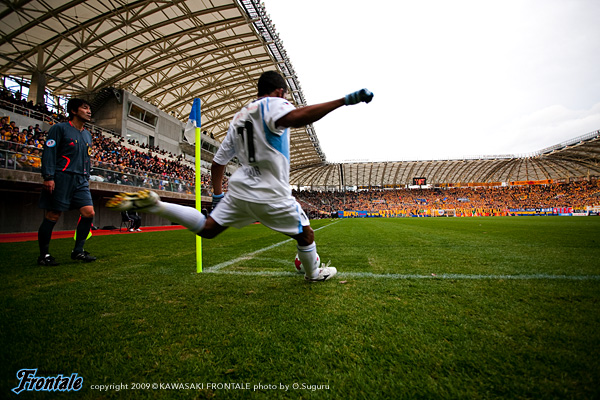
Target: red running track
{"points": [[30, 236]]}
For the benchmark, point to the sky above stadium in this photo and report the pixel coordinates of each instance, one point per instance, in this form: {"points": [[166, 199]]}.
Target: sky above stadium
{"points": [[451, 79]]}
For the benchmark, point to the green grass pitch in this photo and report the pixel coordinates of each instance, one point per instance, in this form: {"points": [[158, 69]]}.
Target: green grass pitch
{"points": [[452, 308]]}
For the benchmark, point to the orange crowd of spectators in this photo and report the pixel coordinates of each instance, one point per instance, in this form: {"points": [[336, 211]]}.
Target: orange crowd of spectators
{"points": [[491, 200]]}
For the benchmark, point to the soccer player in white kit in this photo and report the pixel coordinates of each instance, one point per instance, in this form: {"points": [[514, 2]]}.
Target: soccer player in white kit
{"points": [[259, 189]]}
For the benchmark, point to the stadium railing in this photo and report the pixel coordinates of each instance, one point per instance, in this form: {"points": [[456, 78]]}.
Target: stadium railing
{"points": [[27, 112], [102, 172]]}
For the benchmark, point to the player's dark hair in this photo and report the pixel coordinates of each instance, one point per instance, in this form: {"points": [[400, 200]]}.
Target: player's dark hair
{"points": [[269, 81], [74, 104]]}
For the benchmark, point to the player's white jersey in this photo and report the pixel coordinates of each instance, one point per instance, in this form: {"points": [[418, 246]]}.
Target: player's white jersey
{"points": [[263, 150]]}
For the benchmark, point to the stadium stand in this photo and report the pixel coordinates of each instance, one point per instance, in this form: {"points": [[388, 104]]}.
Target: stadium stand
{"points": [[127, 163], [221, 50], [547, 199]]}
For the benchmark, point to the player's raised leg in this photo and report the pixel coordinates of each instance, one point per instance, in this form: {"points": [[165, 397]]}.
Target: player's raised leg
{"points": [[149, 202]]}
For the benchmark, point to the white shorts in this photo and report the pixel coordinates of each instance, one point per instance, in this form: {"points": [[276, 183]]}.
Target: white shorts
{"points": [[286, 216]]}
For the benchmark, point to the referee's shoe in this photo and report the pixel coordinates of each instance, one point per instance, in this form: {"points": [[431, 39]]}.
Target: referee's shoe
{"points": [[82, 256], [47, 261]]}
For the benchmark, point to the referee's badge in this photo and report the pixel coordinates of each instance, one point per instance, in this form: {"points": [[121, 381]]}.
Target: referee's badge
{"points": [[51, 143]]}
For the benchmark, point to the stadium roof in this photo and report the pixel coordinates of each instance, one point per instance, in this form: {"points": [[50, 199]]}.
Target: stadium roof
{"points": [[165, 52], [170, 52], [579, 157]]}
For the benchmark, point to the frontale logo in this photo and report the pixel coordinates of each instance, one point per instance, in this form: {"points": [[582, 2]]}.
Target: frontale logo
{"points": [[59, 383]]}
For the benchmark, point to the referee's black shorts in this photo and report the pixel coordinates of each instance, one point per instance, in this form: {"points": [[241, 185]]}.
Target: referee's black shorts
{"points": [[71, 192]]}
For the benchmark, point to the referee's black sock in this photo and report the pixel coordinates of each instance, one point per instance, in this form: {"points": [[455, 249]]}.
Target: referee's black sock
{"points": [[83, 229], [44, 236]]}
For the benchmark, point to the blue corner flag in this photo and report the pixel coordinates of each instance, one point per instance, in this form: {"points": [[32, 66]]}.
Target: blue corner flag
{"points": [[193, 122]]}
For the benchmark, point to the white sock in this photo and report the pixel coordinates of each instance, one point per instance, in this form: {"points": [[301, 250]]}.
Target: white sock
{"points": [[182, 215], [308, 257]]}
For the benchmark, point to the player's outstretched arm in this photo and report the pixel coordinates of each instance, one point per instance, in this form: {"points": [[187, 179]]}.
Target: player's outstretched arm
{"points": [[307, 115]]}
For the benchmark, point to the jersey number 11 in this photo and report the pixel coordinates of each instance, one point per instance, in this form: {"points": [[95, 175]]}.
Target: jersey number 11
{"points": [[248, 139]]}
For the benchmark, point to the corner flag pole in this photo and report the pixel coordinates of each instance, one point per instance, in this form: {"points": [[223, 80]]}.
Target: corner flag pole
{"points": [[195, 119]]}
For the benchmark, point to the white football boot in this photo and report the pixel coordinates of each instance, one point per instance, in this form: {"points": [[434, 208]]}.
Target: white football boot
{"points": [[325, 273]]}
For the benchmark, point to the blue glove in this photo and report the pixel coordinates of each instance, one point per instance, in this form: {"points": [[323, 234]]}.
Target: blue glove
{"points": [[216, 199], [358, 96]]}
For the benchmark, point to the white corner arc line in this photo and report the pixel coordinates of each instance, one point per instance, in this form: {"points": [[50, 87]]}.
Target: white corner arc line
{"points": [[346, 275], [249, 256]]}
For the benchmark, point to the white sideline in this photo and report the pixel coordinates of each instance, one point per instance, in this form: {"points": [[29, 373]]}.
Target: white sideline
{"points": [[467, 276], [249, 256]]}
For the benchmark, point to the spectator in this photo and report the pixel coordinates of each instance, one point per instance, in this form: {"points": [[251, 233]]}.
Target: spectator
{"points": [[125, 181], [34, 159], [136, 221]]}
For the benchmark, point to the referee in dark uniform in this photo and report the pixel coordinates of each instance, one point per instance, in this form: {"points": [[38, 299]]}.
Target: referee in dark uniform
{"points": [[66, 171]]}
